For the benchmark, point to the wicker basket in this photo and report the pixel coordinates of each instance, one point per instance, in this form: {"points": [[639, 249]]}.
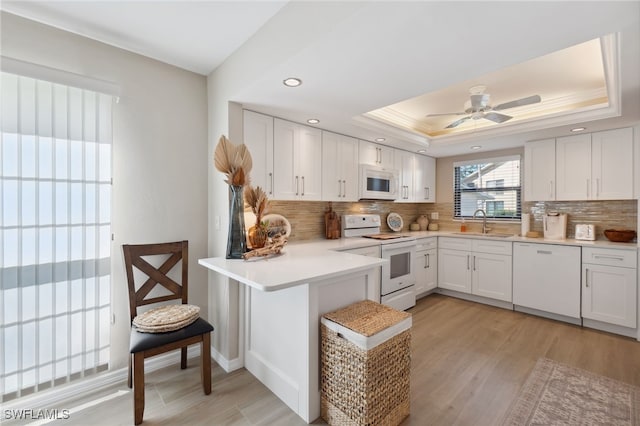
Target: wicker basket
{"points": [[365, 359]]}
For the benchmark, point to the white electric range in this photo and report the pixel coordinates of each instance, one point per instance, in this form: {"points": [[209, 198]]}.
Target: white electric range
{"points": [[397, 284]]}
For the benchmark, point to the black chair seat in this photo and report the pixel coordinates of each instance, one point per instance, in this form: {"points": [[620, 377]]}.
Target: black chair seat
{"points": [[143, 341]]}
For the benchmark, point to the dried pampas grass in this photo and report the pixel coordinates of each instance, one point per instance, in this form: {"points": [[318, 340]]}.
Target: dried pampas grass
{"points": [[257, 199], [234, 161]]}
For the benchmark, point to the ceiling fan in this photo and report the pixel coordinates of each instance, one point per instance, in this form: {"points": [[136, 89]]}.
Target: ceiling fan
{"points": [[478, 107]]}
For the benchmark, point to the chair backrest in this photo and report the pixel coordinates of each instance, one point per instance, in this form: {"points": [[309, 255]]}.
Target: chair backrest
{"points": [[133, 256]]}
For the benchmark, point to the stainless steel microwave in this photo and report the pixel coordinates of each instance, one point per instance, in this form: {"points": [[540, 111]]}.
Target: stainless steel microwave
{"points": [[377, 183]]}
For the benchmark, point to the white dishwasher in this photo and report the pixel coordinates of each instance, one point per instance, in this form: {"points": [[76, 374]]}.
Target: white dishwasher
{"points": [[546, 277]]}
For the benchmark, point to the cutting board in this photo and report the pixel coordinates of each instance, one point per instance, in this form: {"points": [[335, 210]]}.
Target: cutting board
{"points": [[383, 236]]}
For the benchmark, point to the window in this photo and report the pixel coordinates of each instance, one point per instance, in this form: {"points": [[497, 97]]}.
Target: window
{"points": [[492, 185], [55, 234]]}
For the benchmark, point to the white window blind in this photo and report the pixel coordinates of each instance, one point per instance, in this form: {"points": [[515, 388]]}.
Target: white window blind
{"points": [[55, 233], [492, 185]]}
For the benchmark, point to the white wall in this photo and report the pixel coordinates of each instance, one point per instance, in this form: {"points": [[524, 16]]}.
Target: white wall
{"points": [[159, 150]]}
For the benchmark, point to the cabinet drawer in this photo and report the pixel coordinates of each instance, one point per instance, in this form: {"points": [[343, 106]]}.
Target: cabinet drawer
{"points": [[426, 243], [492, 246], [453, 243], [610, 257]]}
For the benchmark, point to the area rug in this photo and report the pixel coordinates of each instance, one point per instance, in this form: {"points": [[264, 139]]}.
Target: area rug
{"points": [[558, 394]]}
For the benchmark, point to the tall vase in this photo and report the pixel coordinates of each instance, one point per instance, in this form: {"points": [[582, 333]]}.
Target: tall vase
{"points": [[236, 240]]}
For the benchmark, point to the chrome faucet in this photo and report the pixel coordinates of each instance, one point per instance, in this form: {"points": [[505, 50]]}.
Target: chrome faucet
{"points": [[484, 219]]}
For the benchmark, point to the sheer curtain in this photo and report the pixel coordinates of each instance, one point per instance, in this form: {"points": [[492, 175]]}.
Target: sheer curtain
{"points": [[55, 233]]}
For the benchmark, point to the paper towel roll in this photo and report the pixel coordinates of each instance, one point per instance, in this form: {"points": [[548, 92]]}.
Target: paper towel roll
{"points": [[525, 225]]}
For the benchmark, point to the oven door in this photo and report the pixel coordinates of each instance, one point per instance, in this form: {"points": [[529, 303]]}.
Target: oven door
{"points": [[398, 273]]}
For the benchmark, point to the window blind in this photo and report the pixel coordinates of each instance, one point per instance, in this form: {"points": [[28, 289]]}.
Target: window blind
{"points": [[492, 185], [55, 233]]}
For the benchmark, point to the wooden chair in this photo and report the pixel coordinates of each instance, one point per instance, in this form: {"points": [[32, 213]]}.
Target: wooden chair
{"points": [[145, 345]]}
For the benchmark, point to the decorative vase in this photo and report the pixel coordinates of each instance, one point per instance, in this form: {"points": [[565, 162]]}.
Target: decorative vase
{"points": [[423, 221], [236, 240], [258, 236]]}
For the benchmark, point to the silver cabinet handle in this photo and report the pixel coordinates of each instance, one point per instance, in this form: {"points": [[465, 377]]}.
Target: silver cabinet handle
{"points": [[426, 193], [550, 189], [344, 188], [586, 277], [271, 178], [302, 186], [588, 188], [297, 185], [474, 263], [544, 252], [339, 188], [604, 256], [468, 262], [597, 187]]}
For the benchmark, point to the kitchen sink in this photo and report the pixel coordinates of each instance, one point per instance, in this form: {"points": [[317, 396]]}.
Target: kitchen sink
{"points": [[488, 234]]}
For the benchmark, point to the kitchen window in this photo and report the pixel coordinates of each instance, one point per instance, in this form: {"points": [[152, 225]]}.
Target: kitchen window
{"points": [[55, 233], [492, 185]]}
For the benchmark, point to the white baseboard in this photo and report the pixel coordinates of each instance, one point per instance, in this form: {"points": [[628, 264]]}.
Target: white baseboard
{"points": [[226, 364], [55, 396]]}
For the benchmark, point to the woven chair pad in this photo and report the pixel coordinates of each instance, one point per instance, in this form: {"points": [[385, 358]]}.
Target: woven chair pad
{"points": [[166, 318]]}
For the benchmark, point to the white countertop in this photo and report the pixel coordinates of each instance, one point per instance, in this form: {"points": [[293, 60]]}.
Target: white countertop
{"points": [[317, 260]]}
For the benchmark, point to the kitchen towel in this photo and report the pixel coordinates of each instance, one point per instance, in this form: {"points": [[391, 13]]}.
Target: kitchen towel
{"points": [[525, 224]]}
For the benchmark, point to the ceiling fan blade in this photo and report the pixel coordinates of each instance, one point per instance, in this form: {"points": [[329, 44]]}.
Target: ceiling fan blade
{"points": [[458, 122], [497, 117], [520, 102], [445, 113]]}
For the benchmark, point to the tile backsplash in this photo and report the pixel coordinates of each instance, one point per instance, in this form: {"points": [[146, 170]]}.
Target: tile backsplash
{"points": [[307, 217]]}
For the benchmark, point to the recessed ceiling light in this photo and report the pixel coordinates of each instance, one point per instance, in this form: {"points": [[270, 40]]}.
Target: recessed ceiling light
{"points": [[578, 129], [380, 139], [292, 82], [422, 151], [474, 147], [313, 121]]}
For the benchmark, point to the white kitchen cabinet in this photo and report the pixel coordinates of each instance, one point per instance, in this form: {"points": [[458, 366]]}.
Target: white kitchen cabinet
{"points": [[540, 170], [573, 167], [546, 277], [482, 267], [405, 163], [297, 153], [426, 264], [425, 179], [609, 288], [417, 176], [612, 164], [376, 155], [339, 167], [258, 137]]}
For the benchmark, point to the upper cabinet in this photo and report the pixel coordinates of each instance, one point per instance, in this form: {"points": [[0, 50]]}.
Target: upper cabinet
{"points": [[339, 167], [258, 137], [540, 170], [376, 155], [597, 166], [425, 179], [417, 174], [296, 151]]}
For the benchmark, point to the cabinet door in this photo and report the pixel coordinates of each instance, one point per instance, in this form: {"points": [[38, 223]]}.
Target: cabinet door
{"points": [[612, 164], [331, 178], [258, 137], [573, 167], [491, 276], [540, 170], [609, 294], [286, 183], [308, 165], [432, 269], [405, 163], [348, 166], [424, 176], [369, 153], [454, 270], [386, 157]]}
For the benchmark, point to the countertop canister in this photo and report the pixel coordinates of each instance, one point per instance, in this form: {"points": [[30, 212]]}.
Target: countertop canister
{"points": [[525, 225]]}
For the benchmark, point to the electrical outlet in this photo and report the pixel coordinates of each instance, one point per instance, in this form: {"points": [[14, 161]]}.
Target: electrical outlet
{"points": [[435, 215]]}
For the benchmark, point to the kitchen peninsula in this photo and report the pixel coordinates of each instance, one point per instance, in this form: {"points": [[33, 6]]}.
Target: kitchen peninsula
{"points": [[284, 298]]}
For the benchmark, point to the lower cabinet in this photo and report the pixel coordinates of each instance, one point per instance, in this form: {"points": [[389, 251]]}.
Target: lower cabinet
{"points": [[476, 266], [426, 265], [609, 290], [373, 288]]}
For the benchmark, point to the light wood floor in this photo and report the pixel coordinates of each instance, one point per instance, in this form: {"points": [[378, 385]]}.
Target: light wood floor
{"points": [[468, 363]]}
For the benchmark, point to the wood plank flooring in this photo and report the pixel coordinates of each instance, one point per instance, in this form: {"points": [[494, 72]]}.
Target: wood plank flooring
{"points": [[468, 363]]}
